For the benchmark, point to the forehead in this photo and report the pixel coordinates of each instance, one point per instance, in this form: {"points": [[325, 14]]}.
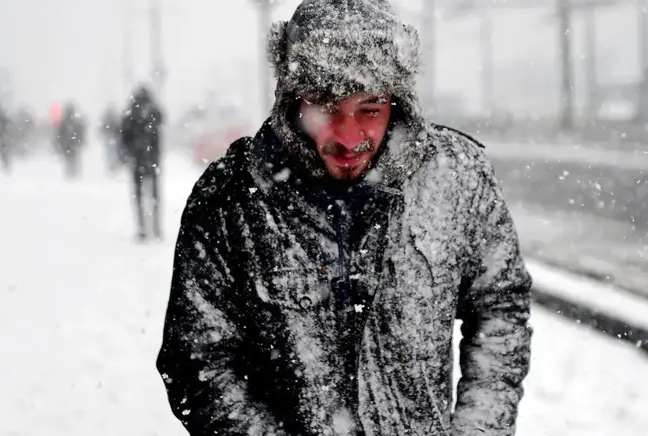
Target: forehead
{"points": [[354, 99]]}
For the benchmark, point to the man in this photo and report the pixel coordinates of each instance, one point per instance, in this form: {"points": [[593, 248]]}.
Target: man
{"points": [[320, 266], [70, 139], [141, 139], [110, 131]]}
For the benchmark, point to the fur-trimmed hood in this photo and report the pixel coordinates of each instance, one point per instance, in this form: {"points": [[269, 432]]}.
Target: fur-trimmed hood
{"points": [[337, 48]]}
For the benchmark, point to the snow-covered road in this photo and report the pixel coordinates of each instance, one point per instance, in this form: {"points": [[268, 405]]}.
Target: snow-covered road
{"points": [[82, 306]]}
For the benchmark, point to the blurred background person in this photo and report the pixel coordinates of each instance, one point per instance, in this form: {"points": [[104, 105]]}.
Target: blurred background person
{"points": [[70, 140], [141, 138], [110, 134]]}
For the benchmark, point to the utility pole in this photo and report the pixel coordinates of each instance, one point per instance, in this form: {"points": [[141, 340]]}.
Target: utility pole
{"points": [[565, 47], [128, 73], [429, 55], [565, 12], [487, 62], [157, 55], [642, 103], [592, 100]]}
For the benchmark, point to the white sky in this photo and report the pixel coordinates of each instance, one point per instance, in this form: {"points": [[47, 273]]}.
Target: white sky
{"points": [[71, 49]]}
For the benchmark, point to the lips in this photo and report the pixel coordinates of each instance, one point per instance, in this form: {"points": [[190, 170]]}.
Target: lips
{"points": [[346, 160]]}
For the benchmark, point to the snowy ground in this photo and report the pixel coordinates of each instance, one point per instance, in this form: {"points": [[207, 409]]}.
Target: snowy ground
{"points": [[82, 305], [602, 248]]}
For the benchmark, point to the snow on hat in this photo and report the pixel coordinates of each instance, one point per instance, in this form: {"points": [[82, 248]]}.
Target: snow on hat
{"points": [[335, 48], [343, 46]]}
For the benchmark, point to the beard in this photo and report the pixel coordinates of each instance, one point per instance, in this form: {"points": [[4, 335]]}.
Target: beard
{"points": [[351, 173]]}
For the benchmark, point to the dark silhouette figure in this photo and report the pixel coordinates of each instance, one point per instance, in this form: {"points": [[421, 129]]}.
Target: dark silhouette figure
{"points": [[141, 140], [70, 140]]}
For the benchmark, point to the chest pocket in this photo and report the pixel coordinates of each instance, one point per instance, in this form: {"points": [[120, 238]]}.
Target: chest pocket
{"points": [[299, 290]]}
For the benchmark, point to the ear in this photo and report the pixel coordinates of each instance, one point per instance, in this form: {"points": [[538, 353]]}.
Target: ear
{"points": [[276, 51]]}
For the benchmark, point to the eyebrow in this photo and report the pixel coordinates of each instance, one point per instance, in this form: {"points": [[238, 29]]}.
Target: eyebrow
{"points": [[376, 99]]}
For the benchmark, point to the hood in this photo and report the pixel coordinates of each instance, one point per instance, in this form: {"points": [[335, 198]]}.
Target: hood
{"points": [[340, 47]]}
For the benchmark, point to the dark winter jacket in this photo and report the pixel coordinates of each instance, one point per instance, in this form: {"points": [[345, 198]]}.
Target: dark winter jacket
{"points": [[141, 132], [266, 304], [304, 306], [71, 134]]}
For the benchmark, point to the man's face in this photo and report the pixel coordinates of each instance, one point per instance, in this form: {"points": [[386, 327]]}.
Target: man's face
{"points": [[347, 133]]}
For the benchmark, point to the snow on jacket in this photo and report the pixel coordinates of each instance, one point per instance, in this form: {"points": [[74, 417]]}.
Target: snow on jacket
{"points": [[304, 306], [257, 327]]}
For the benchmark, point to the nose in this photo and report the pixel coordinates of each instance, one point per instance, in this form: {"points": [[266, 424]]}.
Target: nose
{"points": [[348, 132]]}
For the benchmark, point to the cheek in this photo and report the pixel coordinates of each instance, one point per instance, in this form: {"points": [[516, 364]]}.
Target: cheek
{"points": [[316, 123], [375, 127]]}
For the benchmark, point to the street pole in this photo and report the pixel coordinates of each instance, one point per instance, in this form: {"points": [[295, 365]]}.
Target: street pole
{"points": [[487, 62], [157, 56], [642, 104], [429, 55], [128, 73], [592, 102], [565, 47]]}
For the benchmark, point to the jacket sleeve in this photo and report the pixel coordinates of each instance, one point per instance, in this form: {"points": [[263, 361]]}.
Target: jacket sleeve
{"points": [[494, 308], [201, 335]]}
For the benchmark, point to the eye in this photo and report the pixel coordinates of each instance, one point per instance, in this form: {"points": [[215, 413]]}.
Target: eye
{"points": [[370, 112]]}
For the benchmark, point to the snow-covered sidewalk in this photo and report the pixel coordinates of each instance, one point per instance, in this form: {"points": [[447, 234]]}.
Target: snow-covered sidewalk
{"points": [[82, 306], [600, 248]]}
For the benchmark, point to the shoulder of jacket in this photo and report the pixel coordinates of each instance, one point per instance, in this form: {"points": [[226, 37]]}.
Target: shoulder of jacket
{"points": [[457, 145], [221, 180], [454, 137]]}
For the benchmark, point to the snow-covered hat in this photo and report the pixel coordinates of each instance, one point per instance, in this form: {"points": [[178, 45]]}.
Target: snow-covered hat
{"points": [[335, 48]]}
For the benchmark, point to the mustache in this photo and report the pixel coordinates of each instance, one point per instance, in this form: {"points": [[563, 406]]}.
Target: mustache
{"points": [[335, 148]]}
